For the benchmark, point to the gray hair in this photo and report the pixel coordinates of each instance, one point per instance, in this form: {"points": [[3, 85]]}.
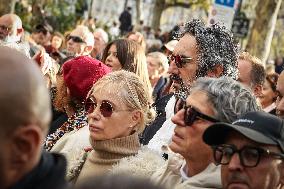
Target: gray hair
{"points": [[229, 98], [103, 34]]}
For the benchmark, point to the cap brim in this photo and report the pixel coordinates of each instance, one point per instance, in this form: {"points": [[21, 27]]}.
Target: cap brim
{"points": [[217, 133]]}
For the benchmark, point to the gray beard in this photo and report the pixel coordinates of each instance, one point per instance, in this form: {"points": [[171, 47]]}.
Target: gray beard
{"points": [[11, 39]]}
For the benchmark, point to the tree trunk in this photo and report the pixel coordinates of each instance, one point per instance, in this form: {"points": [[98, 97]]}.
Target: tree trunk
{"points": [[138, 11], [259, 41], [5, 7], [157, 13], [125, 4]]}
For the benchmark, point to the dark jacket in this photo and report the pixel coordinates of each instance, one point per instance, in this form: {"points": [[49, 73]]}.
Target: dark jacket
{"points": [[48, 174], [151, 129], [125, 21], [160, 87]]}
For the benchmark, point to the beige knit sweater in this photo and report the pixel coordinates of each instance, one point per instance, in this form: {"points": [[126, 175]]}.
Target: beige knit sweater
{"points": [[106, 154]]}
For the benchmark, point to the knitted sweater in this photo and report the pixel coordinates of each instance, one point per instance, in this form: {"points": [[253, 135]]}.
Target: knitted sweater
{"points": [[107, 153]]}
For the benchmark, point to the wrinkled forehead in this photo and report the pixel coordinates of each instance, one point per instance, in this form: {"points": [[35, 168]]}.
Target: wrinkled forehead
{"points": [[6, 21]]}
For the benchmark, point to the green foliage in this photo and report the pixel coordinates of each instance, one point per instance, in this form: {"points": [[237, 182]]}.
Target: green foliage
{"points": [[61, 14]]}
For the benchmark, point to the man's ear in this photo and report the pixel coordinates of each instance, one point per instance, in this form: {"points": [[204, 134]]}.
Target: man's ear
{"points": [[217, 71], [257, 90], [20, 31], [27, 142], [88, 49]]}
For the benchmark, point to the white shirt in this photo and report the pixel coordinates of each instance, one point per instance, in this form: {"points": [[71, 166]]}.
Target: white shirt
{"points": [[164, 135]]}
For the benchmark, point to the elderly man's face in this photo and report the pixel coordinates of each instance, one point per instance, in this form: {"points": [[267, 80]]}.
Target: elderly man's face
{"points": [[187, 140], [280, 99], [76, 44], [266, 174], [6, 28], [99, 42], [185, 48]]}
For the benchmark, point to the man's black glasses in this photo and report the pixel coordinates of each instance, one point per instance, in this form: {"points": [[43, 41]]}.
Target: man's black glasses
{"points": [[76, 39], [191, 114], [249, 156], [179, 60]]}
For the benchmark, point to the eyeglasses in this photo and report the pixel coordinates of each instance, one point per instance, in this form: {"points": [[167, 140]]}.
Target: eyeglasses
{"points": [[191, 114], [4, 28], [76, 39], [106, 107], [179, 60], [249, 156]]}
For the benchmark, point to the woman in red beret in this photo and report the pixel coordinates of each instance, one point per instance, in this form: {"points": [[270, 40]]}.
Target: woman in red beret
{"points": [[79, 75], [118, 110]]}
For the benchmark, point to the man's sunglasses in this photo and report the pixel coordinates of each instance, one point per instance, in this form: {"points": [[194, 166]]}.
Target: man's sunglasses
{"points": [[179, 60], [76, 39], [5, 28], [106, 107], [191, 114]]}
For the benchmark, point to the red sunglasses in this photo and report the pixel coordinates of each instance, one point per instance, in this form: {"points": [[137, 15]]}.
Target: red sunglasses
{"points": [[179, 60], [106, 107]]}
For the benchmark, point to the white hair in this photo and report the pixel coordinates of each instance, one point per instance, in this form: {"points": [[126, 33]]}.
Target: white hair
{"points": [[87, 35], [103, 34]]}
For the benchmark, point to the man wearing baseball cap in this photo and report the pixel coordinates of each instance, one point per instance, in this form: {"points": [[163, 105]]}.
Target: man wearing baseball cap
{"points": [[250, 151]]}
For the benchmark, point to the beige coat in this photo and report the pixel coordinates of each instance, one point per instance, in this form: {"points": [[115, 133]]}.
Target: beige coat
{"points": [[170, 176]]}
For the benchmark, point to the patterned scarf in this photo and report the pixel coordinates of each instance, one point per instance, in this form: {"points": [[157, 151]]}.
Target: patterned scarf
{"points": [[75, 122]]}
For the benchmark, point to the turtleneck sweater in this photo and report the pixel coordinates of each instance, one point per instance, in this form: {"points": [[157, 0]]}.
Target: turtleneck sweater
{"points": [[107, 153]]}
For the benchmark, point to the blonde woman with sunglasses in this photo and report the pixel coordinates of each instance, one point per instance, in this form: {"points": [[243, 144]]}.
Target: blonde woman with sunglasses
{"points": [[118, 109]]}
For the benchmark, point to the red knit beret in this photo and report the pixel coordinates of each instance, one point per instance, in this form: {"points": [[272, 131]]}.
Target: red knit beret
{"points": [[81, 73]]}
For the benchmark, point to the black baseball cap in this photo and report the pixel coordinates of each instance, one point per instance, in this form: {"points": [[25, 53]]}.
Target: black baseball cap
{"points": [[259, 126]]}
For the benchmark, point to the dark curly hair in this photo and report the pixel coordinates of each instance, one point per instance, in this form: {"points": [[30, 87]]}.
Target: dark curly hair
{"points": [[216, 46]]}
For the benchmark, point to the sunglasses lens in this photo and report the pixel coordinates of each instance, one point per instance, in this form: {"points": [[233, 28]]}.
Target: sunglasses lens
{"points": [[179, 105], [89, 105], [106, 109], [76, 39], [189, 116], [178, 61]]}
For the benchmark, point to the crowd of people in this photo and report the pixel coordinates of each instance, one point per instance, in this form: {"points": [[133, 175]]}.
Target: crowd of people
{"points": [[90, 110]]}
